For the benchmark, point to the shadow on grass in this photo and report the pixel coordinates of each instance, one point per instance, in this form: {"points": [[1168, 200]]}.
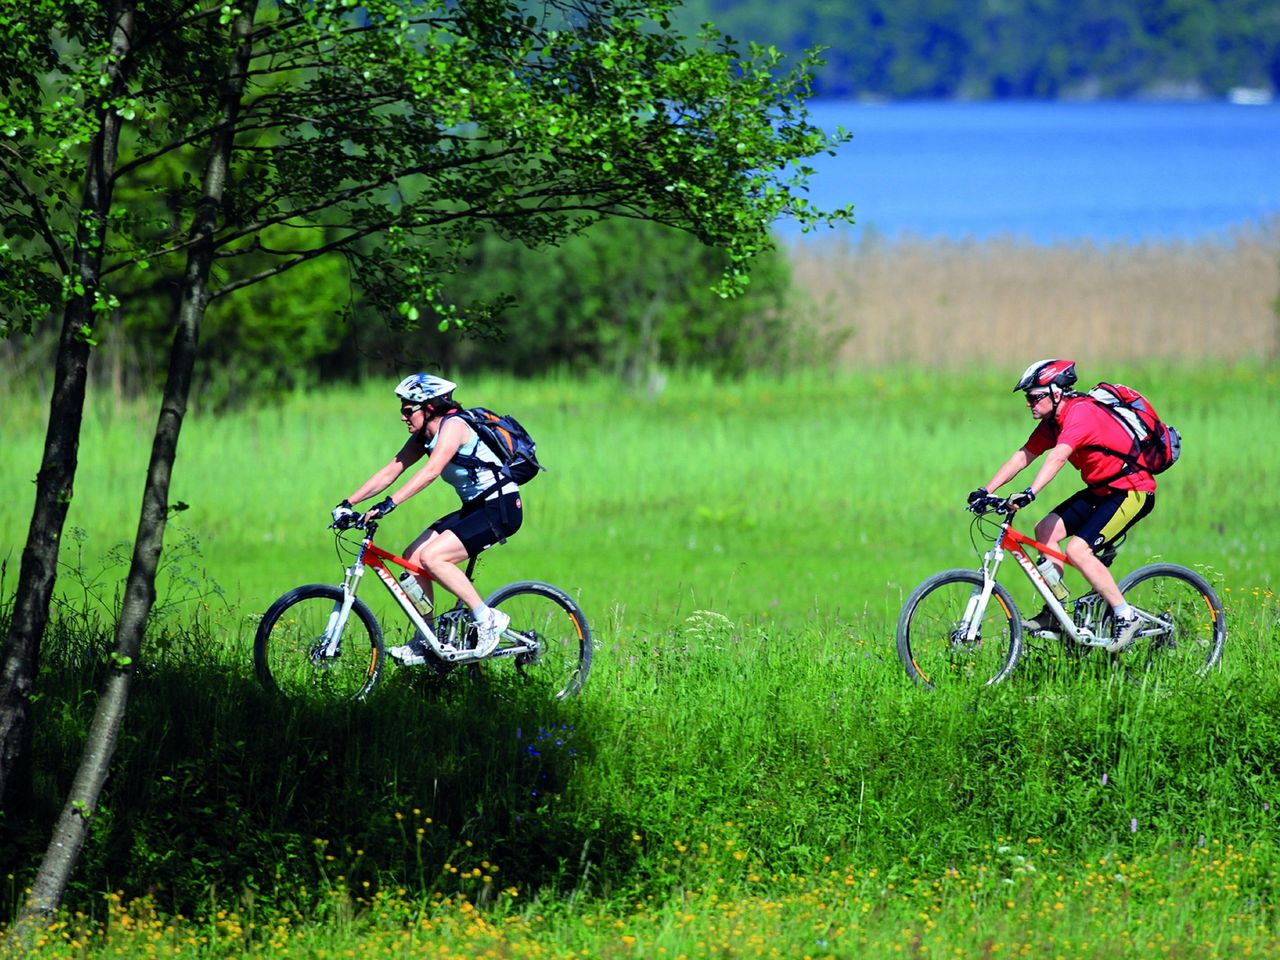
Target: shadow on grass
{"points": [[458, 784]]}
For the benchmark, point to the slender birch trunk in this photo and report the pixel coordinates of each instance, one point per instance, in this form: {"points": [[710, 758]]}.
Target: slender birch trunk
{"points": [[20, 659], [73, 824]]}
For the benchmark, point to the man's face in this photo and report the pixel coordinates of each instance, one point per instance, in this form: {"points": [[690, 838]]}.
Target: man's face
{"points": [[1040, 400]]}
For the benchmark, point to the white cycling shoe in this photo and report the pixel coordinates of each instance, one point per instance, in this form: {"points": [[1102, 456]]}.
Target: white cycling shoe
{"points": [[412, 654], [489, 631], [1126, 633]]}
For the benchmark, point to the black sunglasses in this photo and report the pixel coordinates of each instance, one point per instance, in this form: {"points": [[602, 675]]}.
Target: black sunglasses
{"points": [[1034, 398], [409, 409]]}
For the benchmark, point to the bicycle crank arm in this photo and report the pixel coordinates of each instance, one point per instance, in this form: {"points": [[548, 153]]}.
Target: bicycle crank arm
{"points": [[469, 656]]}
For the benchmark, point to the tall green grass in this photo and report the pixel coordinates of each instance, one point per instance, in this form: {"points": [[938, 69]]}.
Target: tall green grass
{"points": [[742, 552], [817, 494]]}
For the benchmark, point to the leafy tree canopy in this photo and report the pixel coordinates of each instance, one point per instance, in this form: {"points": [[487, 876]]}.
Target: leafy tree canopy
{"points": [[391, 132]]}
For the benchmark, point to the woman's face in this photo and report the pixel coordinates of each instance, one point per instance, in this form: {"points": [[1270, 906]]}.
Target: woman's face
{"points": [[414, 416]]}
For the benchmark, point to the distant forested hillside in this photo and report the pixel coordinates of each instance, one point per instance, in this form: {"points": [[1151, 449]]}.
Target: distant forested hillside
{"points": [[1016, 48]]}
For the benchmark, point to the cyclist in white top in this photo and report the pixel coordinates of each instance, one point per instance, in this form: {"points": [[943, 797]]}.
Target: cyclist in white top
{"points": [[490, 511]]}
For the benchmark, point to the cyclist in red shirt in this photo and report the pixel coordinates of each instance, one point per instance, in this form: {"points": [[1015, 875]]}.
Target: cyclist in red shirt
{"points": [[1075, 429]]}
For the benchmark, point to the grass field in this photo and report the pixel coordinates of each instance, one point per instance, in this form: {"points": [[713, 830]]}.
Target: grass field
{"points": [[748, 772]]}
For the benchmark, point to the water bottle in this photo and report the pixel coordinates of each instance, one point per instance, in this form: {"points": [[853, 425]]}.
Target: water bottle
{"points": [[1053, 578], [414, 589]]}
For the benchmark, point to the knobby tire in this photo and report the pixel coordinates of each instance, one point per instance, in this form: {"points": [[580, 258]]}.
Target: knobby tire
{"points": [[286, 648], [1186, 629], [554, 620], [929, 648]]}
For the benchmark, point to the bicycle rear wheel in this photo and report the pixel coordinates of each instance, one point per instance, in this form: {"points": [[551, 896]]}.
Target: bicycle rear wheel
{"points": [[550, 618], [1184, 627], [931, 635], [299, 652]]}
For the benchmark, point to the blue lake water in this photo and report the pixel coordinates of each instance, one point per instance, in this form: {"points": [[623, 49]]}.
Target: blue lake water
{"points": [[1049, 172]]}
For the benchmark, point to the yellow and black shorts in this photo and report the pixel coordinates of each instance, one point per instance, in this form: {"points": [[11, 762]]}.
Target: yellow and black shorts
{"points": [[1101, 518]]}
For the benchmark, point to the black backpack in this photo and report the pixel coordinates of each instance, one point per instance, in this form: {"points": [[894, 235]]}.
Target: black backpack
{"points": [[504, 436]]}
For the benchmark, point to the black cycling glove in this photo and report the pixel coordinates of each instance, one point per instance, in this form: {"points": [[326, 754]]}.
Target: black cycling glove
{"points": [[1020, 500]]}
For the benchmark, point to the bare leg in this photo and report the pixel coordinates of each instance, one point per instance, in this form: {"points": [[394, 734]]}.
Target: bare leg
{"points": [[1094, 571], [1050, 532], [427, 583], [439, 554]]}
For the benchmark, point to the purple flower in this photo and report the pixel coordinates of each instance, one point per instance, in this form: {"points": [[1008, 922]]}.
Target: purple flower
{"points": [[1104, 779], [1133, 825]]}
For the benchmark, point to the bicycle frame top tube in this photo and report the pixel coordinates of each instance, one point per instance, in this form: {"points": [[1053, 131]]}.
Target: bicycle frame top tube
{"points": [[372, 555], [376, 558], [1015, 542]]}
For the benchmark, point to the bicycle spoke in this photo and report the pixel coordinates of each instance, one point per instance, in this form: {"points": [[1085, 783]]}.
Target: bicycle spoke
{"points": [[943, 640], [300, 653]]}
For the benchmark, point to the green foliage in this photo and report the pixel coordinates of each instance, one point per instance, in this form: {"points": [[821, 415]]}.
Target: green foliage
{"points": [[626, 298], [1048, 48], [589, 303], [394, 135]]}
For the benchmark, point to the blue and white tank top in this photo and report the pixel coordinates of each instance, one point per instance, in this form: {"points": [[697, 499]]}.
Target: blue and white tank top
{"points": [[470, 480]]}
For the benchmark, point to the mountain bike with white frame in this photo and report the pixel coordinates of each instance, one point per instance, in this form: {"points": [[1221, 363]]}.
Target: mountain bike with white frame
{"points": [[962, 626], [323, 640]]}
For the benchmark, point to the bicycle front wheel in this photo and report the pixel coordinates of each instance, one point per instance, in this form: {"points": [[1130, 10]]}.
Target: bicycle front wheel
{"points": [[301, 650], [933, 632], [1184, 628], [549, 619]]}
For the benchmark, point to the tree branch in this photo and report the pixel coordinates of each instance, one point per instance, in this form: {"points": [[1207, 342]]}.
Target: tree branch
{"points": [[37, 213], [300, 259]]}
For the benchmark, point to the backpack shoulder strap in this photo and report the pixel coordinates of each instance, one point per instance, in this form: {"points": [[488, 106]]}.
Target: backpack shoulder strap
{"points": [[1128, 457]]}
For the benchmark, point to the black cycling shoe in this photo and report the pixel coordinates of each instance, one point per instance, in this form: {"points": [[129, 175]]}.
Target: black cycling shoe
{"points": [[1043, 622]]}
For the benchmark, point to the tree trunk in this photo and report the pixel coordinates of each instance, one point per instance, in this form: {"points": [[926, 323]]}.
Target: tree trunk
{"points": [[55, 481], [73, 824]]}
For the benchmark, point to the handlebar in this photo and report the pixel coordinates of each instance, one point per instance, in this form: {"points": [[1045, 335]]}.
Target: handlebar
{"points": [[991, 504], [352, 522]]}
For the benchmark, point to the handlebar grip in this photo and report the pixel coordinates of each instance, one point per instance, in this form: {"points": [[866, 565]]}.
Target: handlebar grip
{"points": [[988, 504], [352, 522]]}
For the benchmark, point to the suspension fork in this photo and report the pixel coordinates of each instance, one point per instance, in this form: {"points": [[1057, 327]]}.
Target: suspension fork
{"points": [[978, 600], [338, 617]]}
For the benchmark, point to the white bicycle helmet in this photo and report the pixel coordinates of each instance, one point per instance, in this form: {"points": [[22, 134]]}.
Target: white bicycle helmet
{"points": [[423, 388]]}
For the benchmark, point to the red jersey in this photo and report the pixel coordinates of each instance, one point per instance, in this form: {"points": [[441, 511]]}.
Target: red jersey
{"points": [[1083, 424]]}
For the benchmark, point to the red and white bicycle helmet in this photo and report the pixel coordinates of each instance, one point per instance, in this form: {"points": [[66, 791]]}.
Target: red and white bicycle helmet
{"points": [[1048, 373], [423, 388]]}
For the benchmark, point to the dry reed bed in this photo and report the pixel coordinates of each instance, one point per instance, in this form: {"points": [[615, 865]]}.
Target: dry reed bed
{"points": [[940, 302]]}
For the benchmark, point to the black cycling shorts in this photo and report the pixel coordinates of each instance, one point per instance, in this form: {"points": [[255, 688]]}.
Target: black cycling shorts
{"points": [[1099, 519], [482, 523]]}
